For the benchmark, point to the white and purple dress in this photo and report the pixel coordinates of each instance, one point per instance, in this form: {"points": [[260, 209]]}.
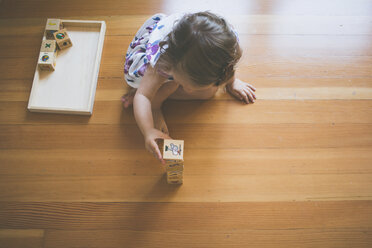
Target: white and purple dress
{"points": [[144, 48]]}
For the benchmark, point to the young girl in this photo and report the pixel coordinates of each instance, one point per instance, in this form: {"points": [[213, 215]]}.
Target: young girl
{"points": [[181, 56]]}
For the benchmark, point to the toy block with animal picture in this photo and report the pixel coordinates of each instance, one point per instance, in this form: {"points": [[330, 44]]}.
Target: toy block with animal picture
{"points": [[171, 149], [52, 26], [62, 39]]}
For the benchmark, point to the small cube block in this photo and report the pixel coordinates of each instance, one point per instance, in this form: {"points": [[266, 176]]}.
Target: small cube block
{"points": [[62, 38], [175, 175], [47, 61], [48, 46], [175, 181], [52, 26], [174, 166], [171, 149]]}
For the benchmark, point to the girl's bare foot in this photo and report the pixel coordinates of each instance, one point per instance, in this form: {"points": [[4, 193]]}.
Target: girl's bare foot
{"points": [[127, 99], [159, 122]]}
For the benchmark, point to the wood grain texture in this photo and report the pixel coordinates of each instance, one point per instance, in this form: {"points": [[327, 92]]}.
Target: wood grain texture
{"points": [[341, 223], [33, 238], [292, 170], [21, 8], [192, 216]]}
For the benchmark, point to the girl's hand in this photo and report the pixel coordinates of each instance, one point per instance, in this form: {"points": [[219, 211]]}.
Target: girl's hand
{"points": [[152, 146], [242, 91]]}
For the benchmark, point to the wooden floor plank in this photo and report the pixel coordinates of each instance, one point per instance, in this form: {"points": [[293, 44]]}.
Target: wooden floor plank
{"points": [[207, 216], [272, 93], [196, 188], [345, 66], [259, 45], [199, 136], [207, 112], [124, 162], [41, 8], [275, 93], [245, 24], [224, 238], [109, 88], [31, 238]]}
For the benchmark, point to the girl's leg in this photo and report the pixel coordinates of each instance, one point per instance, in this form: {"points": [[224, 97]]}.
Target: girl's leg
{"points": [[127, 99], [163, 93]]}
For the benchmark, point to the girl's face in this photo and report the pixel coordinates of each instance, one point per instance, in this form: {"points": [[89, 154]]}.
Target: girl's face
{"points": [[186, 83]]}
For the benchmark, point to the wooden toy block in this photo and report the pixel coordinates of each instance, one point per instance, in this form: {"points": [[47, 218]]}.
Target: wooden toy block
{"points": [[173, 161], [48, 46], [175, 175], [171, 149], [47, 61], [172, 152], [52, 26], [179, 181], [175, 166], [62, 38]]}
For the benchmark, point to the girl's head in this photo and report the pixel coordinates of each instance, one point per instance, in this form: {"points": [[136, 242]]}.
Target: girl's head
{"points": [[202, 48]]}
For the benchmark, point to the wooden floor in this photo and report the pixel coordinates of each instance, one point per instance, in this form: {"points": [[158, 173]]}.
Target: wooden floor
{"points": [[292, 170]]}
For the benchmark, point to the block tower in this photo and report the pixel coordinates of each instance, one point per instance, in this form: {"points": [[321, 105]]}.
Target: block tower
{"points": [[47, 56], [172, 152]]}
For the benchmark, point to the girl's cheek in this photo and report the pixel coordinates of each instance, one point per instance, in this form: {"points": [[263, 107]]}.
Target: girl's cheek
{"points": [[188, 90]]}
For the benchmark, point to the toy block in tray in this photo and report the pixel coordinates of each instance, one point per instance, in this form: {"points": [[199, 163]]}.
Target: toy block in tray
{"points": [[48, 46], [62, 39], [52, 26]]}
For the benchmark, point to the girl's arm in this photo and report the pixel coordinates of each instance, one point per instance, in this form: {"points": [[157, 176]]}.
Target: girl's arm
{"points": [[149, 86]]}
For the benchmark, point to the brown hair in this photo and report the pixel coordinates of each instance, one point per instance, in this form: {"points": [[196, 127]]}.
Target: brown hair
{"points": [[204, 46]]}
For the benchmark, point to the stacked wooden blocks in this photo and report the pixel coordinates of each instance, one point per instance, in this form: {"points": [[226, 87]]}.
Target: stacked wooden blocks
{"points": [[48, 54], [172, 151], [56, 36]]}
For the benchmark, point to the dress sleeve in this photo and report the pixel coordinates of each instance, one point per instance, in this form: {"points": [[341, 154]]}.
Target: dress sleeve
{"points": [[159, 33]]}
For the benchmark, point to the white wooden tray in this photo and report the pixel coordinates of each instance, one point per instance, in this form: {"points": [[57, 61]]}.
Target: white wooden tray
{"points": [[71, 88]]}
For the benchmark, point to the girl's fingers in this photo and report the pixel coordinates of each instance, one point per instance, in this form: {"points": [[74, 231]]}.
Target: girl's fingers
{"points": [[166, 136], [249, 95], [252, 93], [236, 94], [240, 96], [156, 152], [247, 88], [251, 86], [245, 97]]}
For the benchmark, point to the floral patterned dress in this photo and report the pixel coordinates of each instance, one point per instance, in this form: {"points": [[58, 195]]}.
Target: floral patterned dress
{"points": [[144, 48]]}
